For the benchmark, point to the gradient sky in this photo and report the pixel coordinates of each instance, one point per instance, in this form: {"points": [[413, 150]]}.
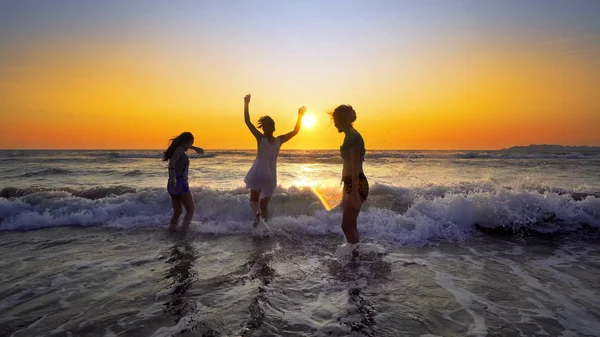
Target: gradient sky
{"points": [[421, 74]]}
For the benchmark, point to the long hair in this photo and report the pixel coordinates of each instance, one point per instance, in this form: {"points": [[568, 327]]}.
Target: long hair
{"points": [[175, 143]]}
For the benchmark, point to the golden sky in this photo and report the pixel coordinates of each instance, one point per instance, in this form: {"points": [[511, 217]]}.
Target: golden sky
{"points": [[441, 76]]}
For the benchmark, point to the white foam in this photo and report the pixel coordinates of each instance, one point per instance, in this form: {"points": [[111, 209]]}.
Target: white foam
{"points": [[346, 250], [164, 293], [465, 299], [572, 315], [432, 214], [184, 323], [109, 333]]}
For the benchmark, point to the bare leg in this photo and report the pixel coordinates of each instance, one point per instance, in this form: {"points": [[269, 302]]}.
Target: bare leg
{"points": [[176, 202], [264, 204], [187, 200], [254, 196], [349, 223]]}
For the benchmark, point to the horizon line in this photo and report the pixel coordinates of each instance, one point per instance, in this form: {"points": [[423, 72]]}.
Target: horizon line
{"points": [[254, 148]]}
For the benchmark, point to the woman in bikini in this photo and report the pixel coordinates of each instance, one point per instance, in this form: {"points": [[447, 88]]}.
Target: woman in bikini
{"points": [[261, 179], [356, 186]]}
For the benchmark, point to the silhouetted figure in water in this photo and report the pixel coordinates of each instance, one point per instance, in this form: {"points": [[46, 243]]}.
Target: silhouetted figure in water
{"points": [[356, 186], [262, 177], [178, 186]]}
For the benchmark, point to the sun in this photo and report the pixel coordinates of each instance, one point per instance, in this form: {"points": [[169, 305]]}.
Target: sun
{"points": [[309, 121]]}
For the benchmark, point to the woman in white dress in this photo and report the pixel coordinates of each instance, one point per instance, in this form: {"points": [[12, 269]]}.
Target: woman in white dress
{"points": [[262, 177]]}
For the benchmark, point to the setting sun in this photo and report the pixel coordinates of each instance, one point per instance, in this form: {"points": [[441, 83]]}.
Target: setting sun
{"points": [[308, 121]]}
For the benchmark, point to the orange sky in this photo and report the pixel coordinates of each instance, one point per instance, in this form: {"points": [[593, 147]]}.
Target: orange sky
{"points": [[470, 91]]}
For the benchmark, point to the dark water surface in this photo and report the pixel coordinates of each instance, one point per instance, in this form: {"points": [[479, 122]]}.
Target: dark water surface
{"points": [[74, 281]]}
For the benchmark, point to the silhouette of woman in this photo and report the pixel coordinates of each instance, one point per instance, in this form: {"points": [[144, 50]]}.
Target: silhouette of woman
{"points": [[262, 176], [178, 186], [356, 186]]}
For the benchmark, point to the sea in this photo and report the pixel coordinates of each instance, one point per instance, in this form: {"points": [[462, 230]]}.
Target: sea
{"points": [[453, 243]]}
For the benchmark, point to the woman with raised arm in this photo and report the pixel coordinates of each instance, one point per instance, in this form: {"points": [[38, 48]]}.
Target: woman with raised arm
{"points": [[178, 186], [262, 177], [356, 186]]}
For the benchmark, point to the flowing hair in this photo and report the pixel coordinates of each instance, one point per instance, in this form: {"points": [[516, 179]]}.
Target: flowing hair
{"points": [[175, 143], [266, 121]]}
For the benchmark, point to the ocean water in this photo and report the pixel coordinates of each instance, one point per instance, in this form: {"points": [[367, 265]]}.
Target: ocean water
{"points": [[454, 243]]}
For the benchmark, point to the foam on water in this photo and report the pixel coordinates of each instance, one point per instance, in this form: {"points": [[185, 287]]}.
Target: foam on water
{"points": [[152, 283], [574, 317], [46, 172], [149, 154], [394, 215], [465, 299]]}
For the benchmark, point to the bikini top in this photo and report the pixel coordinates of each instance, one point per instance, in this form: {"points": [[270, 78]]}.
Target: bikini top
{"points": [[352, 139]]}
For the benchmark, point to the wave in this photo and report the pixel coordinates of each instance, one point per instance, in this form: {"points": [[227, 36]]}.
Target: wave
{"points": [[133, 173], [157, 155], [333, 156], [476, 155], [507, 155], [301, 156], [91, 193], [53, 171], [132, 155], [393, 215]]}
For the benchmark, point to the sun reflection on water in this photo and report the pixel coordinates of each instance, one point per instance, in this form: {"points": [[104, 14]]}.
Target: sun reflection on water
{"points": [[326, 189]]}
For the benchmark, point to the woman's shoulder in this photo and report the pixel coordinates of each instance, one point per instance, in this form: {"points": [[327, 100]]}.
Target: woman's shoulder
{"points": [[353, 138]]}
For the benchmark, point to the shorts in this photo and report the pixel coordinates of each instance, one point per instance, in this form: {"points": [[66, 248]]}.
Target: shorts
{"points": [[181, 187], [363, 186]]}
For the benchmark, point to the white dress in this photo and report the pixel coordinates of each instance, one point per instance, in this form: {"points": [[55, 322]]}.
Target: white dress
{"points": [[263, 173]]}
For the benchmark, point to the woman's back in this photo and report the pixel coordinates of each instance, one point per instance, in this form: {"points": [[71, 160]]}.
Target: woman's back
{"points": [[181, 165], [268, 152]]}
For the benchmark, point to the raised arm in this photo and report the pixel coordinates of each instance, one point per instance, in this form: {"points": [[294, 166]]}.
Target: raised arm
{"points": [[249, 124], [290, 135], [198, 150]]}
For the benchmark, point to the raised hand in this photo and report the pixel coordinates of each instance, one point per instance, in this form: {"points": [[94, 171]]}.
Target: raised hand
{"points": [[198, 150], [247, 120], [301, 111]]}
